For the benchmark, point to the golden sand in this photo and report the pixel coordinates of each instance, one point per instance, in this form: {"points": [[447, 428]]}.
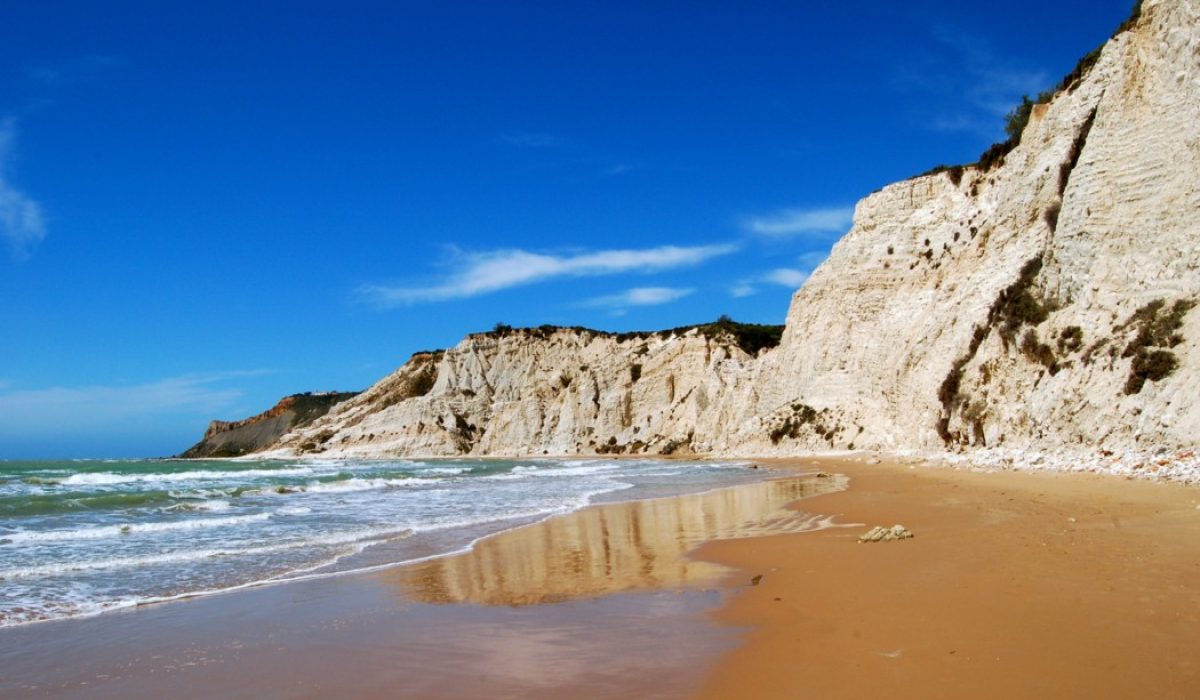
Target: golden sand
{"points": [[1014, 586]]}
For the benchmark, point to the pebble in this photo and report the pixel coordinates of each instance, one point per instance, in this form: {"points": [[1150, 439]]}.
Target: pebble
{"points": [[1182, 466]]}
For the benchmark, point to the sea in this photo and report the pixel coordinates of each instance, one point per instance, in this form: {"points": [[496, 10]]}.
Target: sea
{"points": [[83, 537]]}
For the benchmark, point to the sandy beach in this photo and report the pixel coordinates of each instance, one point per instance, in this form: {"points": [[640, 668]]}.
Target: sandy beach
{"points": [[1015, 585]]}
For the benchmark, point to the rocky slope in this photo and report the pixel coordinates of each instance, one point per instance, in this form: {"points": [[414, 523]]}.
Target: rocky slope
{"points": [[550, 391], [233, 439], [1044, 298]]}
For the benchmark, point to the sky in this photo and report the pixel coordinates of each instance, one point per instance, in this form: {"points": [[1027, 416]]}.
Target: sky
{"points": [[207, 206]]}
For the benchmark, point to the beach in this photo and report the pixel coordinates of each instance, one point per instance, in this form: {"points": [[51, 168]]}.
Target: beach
{"points": [[1014, 585], [602, 602]]}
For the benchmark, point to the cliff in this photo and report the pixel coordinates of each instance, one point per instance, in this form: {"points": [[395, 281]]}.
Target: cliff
{"points": [[233, 439], [550, 391], [1043, 298]]}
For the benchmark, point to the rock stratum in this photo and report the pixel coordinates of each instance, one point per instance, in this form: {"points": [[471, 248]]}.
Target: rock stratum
{"points": [[1043, 298]]}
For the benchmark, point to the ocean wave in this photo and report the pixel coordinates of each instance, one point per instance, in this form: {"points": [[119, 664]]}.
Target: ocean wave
{"points": [[102, 531], [213, 506], [360, 537], [443, 470], [108, 478], [364, 484]]}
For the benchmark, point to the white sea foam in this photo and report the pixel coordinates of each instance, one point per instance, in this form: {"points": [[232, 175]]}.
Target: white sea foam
{"points": [[108, 478], [92, 533], [364, 484], [216, 506], [360, 537], [294, 510], [443, 470]]}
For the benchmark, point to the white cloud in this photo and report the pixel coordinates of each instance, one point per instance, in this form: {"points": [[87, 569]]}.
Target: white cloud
{"points": [[531, 139], [492, 271], [87, 409], [742, 289], [791, 277], [786, 277], [22, 224], [792, 222], [639, 296]]}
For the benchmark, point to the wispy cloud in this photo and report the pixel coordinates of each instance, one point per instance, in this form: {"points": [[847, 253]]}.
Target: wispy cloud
{"points": [[743, 289], [22, 223], [492, 271], [86, 408], [798, 222], [786, 277], [969, 87], [790, 277], [531, 139], [638, 296]]}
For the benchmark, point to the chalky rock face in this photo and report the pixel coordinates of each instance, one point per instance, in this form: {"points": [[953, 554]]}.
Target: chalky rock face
{"points": [[1001, 308], [536, 391], [1046, 301]]}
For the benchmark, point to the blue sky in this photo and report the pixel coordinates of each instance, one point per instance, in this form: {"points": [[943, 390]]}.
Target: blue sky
{"points": [[206, 206]]}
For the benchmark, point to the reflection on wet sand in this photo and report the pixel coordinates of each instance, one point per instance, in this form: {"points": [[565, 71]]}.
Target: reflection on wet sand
{"points": [[613, 548]]}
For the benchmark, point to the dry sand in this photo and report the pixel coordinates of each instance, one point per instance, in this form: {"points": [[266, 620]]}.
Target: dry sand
{"points": [[1014, 586]]}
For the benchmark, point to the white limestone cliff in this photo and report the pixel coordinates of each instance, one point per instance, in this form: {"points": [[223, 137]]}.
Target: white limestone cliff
{"points": [[972, 307]]}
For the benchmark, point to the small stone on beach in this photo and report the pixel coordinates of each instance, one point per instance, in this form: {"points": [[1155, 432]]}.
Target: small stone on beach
{"points": [[756, 580], [885, 534]]}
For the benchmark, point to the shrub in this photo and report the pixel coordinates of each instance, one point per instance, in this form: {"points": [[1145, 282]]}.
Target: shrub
{"points": [[1150, 365], [1017, 119], [1016, 305], [1071, 339], [1155, 329], [1037, 351], [802, 415]]}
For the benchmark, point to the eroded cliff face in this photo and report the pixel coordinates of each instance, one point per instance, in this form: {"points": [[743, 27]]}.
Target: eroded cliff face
{"points": [[1047, 300], [1004, 308], [542, 391]]}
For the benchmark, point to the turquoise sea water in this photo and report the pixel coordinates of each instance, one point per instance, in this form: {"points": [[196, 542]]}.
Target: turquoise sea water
{"points": [[82, 537]]}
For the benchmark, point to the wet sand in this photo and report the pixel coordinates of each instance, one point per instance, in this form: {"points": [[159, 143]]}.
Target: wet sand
{"points": [[1014, 586], [602, 603]]}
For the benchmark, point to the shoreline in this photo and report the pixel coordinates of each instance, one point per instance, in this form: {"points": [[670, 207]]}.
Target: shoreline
{"points": [[1176, 465], [618, 573], [1015, 585]]}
